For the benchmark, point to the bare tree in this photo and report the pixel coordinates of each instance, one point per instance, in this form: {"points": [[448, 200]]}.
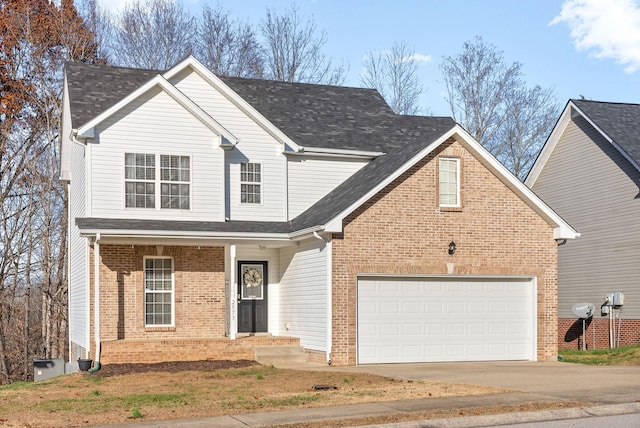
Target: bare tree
{"points": [[394, 74], [38, 37], [154, 34], [293, 50], [227, 47], [99, 22], [490, 99], [532, 115]]}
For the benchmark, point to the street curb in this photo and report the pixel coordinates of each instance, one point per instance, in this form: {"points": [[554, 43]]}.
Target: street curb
{"points": [[517, 417]]}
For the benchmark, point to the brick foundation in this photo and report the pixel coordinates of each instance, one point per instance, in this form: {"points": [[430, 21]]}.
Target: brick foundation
{"points": [[570, 332], [155, 351]]}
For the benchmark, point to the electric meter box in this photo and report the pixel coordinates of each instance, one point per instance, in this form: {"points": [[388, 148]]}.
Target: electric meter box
{"points": [[618, 298]]}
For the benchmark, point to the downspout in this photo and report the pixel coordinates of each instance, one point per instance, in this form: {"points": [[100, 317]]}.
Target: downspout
{"points": [[96, 302], [329, 277]]}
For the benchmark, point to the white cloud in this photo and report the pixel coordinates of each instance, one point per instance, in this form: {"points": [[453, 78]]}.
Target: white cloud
{"points": [[606, 29], [419, 58]]}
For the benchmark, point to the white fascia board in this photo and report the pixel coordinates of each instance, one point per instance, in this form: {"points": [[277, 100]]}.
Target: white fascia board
{"points": [[86, 130], [345, 152], [562, 230], [608, 138], [550, 144], [182, 234], [243, 105]]}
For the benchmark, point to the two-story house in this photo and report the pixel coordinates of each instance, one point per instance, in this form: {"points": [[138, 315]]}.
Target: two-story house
{"points": [[589, 171], [209, 215]]}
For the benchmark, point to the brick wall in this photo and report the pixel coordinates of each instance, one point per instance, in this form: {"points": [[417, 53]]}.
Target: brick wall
{"points": [[402, 230], [596, 332], [199, 294]]}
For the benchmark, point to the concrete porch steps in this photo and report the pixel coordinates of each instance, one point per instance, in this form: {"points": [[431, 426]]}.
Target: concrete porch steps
{"points": [[280, 356]]}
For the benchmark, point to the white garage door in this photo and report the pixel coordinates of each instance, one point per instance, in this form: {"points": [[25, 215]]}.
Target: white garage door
{"points": [[402, 320]]}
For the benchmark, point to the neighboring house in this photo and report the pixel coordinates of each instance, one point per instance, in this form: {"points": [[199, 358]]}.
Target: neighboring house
{"points": [[589, 172], [211, 215]]}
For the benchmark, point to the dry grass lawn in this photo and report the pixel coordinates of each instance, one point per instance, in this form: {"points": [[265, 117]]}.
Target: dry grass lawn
{"points": [[90, 399]]}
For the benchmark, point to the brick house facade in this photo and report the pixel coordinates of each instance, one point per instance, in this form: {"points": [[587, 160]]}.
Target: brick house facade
{"points": [[241, 223], [387, 236]]}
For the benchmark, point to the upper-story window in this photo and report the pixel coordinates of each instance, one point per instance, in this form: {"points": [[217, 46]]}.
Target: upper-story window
{"points": [[449, 185], [250, 183], [150, 177], [174, 182], [139, 180]]}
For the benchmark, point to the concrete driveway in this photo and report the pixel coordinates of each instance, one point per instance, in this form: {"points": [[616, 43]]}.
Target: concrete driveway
{"points": [[559, 381]]}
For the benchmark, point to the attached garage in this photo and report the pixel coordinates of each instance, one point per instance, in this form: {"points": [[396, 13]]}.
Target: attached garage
{"points": [[447, 318]]}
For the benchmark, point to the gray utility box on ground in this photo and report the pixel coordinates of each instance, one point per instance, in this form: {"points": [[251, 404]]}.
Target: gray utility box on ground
{"points": [[47, 368]]}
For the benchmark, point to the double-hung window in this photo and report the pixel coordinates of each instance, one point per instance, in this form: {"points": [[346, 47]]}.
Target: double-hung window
{"points": [[150, 178], [250, 183], [449, 184], [174, 182], [158, 291], [139, 180]]}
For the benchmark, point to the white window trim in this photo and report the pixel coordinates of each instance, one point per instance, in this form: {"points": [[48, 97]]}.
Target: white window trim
{"points": [[260, 183], [157, 183], [457, 162], [173, 292]]}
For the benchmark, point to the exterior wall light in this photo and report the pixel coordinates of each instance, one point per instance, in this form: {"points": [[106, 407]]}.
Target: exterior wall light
{"points": [[452, 248]]}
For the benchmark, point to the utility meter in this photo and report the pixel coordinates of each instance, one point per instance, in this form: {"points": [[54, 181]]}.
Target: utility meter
{"points": [[618, 299]]}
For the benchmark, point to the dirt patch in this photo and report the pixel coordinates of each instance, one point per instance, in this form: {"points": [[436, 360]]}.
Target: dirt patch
{"points": [[129, 393], [109, 370]]}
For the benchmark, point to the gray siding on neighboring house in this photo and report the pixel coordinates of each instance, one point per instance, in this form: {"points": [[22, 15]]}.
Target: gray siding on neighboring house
{"points": [[595, 189], [303, 293], [78, 254]]}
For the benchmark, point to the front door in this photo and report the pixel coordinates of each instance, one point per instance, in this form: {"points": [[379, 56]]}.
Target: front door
{"points": [[252, 297]]}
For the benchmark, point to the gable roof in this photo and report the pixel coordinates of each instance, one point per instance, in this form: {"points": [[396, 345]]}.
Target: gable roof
{"points": [[616, 122], [317, 116]]}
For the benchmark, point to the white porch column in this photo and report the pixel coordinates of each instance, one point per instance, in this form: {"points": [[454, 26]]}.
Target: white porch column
{"points": [[233, 292]]}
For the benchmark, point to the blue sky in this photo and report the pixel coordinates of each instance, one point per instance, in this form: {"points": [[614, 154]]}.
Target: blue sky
{"points": [[587, 48]]}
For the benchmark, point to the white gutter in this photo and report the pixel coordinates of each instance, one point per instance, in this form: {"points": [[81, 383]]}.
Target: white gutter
{"points": [[96, 295], [308, 150]]}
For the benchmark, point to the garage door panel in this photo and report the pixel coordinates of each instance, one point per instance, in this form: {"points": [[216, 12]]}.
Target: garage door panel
{"points": [[458, 319]]}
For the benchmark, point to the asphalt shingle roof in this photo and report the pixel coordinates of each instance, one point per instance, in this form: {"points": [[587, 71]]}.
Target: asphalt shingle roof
{"points": [[618, 120], [311, 115]]}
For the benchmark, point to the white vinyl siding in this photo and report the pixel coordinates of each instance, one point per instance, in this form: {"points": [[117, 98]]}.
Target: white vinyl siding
{"points": [[411, 320], [256, 145], [310, 179], [595, 189], [303, 294], [449, 185], [156, 124], [78, 254]]}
